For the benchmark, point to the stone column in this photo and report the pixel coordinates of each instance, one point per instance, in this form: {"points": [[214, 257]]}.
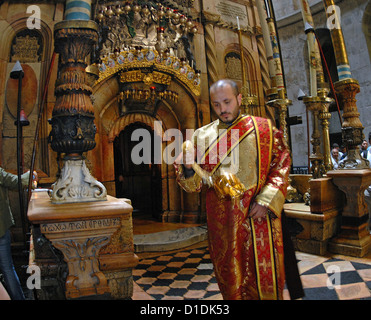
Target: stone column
{"points": [[92, 230], [73, 129], [210, 20]]}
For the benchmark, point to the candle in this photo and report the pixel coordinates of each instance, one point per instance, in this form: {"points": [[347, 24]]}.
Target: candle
{"points": [[341, 56], [312, 60], [238, 23], [314, 54], [78, 10], [267, 41], [280, 84]]}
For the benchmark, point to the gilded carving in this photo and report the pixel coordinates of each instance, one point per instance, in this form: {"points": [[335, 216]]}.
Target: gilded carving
{"points": [[164, 68], [148, 79], [25, 49]]}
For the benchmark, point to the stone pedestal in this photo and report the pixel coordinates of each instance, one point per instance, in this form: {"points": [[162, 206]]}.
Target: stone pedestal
{"points": [[316, 230], [96, 241], [354, 238], [318, 223]]}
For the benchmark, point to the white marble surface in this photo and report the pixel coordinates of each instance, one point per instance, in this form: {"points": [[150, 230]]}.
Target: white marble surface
{"points": [[169, 240]]}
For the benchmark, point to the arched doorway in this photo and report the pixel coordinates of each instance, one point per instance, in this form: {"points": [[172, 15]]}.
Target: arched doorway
{"points": [[141, 183]]}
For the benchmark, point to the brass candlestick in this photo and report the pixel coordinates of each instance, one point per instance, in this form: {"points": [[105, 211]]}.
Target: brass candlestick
{"points": [[325, 116], [314, 104], [347, 88], [281, 103]]}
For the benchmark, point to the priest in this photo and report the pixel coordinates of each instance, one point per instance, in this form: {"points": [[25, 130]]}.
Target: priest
{"points": [[246, 243]]}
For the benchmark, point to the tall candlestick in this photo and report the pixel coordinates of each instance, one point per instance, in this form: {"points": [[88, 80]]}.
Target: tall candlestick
{"points": [[308, 19], [78, 10], [267, 41], [276, 55]]}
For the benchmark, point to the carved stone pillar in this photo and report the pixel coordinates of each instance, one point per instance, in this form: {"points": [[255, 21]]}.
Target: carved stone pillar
{"points": [[209, 21], [94, 241], [73, 129]]}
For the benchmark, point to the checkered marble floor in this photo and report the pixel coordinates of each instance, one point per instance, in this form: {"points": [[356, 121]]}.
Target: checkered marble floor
{"points": [[188, 275]]}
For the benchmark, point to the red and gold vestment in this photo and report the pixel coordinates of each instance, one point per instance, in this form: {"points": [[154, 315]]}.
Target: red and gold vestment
{"points": [[247, 253]]}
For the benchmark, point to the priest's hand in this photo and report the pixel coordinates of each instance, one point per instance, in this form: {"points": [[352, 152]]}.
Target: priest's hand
{"points": [[257, 211], [188, 155]]}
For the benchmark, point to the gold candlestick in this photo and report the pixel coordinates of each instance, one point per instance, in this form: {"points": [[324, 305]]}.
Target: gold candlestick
{"points": [[314, 104], [347, 88], [325, 116]]}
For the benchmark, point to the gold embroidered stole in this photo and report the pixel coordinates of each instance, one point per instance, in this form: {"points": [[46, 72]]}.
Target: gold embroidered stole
{"points": [[265, 263], [223, 145]]}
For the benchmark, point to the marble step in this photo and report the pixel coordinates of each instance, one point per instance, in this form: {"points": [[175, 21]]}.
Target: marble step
{"points": [[169, 240]]}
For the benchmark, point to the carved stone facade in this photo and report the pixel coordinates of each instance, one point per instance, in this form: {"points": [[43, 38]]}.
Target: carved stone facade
{"points": [[96, 241]]}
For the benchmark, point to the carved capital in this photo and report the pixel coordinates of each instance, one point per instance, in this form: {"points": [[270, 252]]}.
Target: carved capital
{"points": [[84, 277], [77, 184], [80, 242]]}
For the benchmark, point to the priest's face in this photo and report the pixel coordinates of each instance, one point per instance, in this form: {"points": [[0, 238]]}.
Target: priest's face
{"points": [[226, 103]]}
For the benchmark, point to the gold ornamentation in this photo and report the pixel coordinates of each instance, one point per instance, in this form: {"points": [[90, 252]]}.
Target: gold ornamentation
{"points": [[226, 184], [148, 79], [164, 69]]}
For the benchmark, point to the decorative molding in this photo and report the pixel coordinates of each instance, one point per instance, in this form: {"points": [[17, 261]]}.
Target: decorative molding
{"points": [[126, 61]]}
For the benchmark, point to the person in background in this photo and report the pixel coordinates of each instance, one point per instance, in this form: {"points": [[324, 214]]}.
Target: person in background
{"points": [[9, 181], [343, 150], [336, 146], [363, 149], [335, 158]]}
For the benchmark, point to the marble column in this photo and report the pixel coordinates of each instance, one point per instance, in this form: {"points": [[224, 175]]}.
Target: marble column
{"points": [[73, 129]]}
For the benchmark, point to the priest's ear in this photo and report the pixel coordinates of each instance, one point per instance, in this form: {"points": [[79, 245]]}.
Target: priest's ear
{"points": [[239, 98]]}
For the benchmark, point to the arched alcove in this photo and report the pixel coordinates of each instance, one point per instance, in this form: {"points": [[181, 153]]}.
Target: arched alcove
{"points": [[173, 119]]}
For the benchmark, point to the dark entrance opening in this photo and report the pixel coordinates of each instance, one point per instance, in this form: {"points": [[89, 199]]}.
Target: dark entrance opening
{"points": [[141, 183]]}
